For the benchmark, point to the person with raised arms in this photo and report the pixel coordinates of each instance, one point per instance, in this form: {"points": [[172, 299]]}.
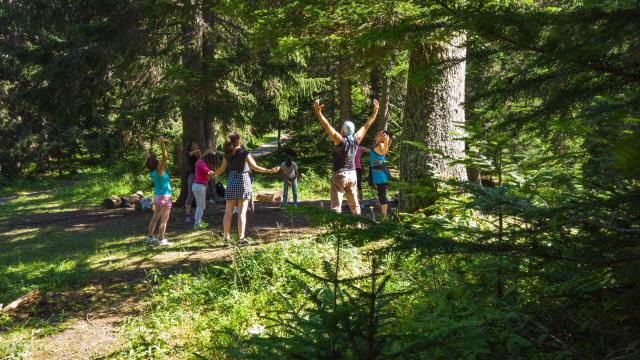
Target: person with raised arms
{"points": [[344, 177], [161, 194], [238, 161], [379, 174]]}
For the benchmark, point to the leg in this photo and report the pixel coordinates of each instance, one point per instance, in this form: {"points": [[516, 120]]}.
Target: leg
{"points": [[164, 219], [157, 210], [359, 174], [228, 215], [285, 192], [351, 189], [190, 195], [200, 192], [294, 188], [382, 196], [337, 190], [242, 217]]}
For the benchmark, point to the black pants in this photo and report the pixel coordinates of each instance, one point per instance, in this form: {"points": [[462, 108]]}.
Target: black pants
{"points": [[359, 177], [382, 193]]}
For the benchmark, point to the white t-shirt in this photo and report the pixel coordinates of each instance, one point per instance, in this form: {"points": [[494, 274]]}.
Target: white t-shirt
{"points": [[289, 172]]}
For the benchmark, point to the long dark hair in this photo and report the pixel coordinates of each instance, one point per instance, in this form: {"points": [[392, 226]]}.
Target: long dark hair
{"points": [[210, 160], [230, 145]]}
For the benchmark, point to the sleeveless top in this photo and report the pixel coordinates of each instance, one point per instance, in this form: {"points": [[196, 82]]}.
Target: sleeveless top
{"points": [[161, 184], [378, 173], [344, 153], [238, 161]]}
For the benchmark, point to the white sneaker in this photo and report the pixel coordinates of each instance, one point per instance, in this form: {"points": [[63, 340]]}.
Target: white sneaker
{"points": [[235, 210], [165, 242], [152, 240], [211, 201]]}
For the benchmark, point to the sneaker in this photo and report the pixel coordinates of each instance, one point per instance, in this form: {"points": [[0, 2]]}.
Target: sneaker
{"points": [[211, 201], [188, 219], [152, 240], [201, 226], [164, 242], [235, 210]]}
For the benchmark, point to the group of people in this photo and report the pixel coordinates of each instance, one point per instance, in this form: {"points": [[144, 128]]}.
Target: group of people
{"points": [[346, 177]]}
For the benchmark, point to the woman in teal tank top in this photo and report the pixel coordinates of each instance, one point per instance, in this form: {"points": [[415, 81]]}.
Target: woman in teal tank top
{"points": [[161, 195], [379, 172]]}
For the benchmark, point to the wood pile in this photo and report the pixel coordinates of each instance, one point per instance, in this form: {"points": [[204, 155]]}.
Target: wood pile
{"points": [[115, 201]]}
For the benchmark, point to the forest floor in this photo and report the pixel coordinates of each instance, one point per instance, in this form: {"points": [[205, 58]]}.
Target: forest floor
{"points": [[81, 305]]}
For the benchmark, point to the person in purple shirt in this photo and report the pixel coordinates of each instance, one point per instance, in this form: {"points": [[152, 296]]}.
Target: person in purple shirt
{"points": [[358, 164]]}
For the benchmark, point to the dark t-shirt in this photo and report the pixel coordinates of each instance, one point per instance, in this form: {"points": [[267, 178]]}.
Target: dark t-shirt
{"points": [[344, 153], [192, 163], [238, 161]]}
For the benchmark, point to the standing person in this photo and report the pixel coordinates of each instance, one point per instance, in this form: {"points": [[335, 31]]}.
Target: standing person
{"points": [[289, 171], [344, 177], [238, 191], [358, 163], [377, 167], [193, 155], [212, 195], [200, 183], [161, 195]]}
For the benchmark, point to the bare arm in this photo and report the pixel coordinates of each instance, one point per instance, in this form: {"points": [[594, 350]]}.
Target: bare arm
{"points": [[363, 130], [220, 170], [335, 136], [383, 147], [196, 152], [365, 150], [165, 156], [258, 168]]}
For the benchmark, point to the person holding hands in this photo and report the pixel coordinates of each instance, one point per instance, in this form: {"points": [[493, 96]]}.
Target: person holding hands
{"points": [[161, 195], [238, 161]]}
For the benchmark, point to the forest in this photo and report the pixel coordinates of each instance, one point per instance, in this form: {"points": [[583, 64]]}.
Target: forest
{"points": [[514, 179]]}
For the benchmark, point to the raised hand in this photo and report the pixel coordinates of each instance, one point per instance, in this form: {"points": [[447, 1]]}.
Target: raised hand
{"points": [[275, 170], [317, 107], [376, 105]]}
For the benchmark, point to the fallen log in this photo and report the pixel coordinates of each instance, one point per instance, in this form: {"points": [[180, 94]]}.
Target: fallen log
{"points": [[31, 295], [275, 197]]}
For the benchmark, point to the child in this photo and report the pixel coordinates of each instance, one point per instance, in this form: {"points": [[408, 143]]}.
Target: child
{"points": [[200, 183], [161, 195], [289, 170]]}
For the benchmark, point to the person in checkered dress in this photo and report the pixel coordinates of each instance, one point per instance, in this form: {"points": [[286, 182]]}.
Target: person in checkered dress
{"points": [[238, 193]]}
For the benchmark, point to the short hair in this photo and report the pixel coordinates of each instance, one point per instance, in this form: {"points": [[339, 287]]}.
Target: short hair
{"points": [[152, 162]]}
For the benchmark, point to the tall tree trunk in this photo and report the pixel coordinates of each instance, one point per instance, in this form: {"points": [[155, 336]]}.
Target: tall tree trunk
{"points": [[345, 92], [380, 84], [434, 115], [197, 120]]}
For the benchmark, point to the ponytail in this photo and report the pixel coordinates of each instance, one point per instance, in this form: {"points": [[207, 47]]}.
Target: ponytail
{"points": [[230, 145]]}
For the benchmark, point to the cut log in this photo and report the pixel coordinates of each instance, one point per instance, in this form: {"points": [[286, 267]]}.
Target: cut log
{"points": [[275, 197], [112, 202], [30, 296]]}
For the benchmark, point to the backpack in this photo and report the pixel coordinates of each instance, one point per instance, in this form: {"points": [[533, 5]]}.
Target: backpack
{"points": [[144, 204]]}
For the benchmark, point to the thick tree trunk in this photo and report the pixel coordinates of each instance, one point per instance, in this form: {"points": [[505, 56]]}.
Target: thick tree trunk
{"points": [[380, 84], [197, 120], [434, 115], [345, 93]]}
